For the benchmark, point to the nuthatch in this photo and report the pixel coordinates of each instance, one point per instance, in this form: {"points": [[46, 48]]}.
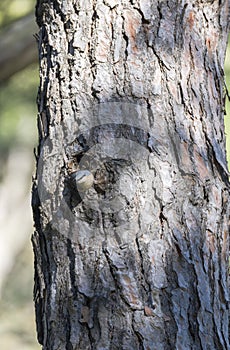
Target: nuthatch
{"points": [[82, 179]]}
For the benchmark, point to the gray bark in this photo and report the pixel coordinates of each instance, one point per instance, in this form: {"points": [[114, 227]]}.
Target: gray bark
{"points": [[132, 91]]}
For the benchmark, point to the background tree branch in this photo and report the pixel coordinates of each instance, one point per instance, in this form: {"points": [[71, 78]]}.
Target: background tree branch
{"points": [[17, 46]]}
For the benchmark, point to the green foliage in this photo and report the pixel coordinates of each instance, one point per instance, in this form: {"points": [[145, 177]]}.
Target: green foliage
{"points": [[18, 109], [11, 10], [18, 94]]}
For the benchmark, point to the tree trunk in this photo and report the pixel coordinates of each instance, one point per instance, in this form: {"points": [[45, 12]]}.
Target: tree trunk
{"points": [[131, 93]]}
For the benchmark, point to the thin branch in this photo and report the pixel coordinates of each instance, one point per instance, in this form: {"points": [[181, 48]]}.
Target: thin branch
{"points": [[17, 46]]}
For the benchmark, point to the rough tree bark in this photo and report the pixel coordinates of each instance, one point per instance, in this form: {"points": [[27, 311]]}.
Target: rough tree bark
{"points": [[133, 92]]}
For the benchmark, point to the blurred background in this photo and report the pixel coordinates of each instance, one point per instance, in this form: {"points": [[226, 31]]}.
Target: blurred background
{"points": [[18, 136], [19, 81]]}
